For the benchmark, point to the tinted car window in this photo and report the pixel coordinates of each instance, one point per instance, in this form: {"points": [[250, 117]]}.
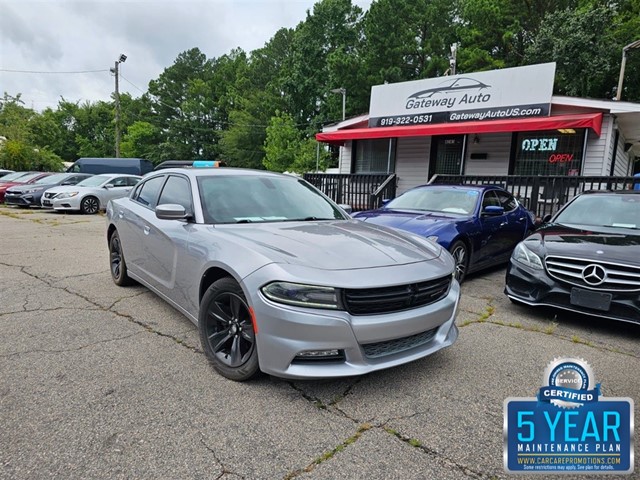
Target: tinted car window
{"points": [[507, 201], [246, 199], [132, 181], [119, 182], [490, 200], [177, 190], [149, 190]]}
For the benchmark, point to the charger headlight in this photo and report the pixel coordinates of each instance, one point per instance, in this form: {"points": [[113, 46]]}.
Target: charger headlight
{"points": [[300, 295], [523, 255]]}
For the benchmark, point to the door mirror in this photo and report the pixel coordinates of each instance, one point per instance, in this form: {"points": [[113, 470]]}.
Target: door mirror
{"points": [[385, 201], [546, 218], [347, 208], [108, 186], [492, 210], [171, 211]]}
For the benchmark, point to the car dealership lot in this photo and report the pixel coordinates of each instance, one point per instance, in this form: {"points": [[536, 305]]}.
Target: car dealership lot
{"points": [[103, 382]]}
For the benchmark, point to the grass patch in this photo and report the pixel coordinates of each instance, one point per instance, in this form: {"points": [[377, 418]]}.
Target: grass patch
{"points": [[331, 453]]}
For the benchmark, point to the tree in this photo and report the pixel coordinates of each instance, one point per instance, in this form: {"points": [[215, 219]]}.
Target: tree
{"points": [[14, 118], [408, 39], [140, 141], [496, 33], [20, 156], [332, 31], [256, 95], [579, 41], [287, 149]]}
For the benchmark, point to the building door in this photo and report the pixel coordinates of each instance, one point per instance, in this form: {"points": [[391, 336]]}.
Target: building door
{"points": [[447, 153]]}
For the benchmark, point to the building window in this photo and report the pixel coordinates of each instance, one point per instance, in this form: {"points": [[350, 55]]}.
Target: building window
{"points": [[375, 156], [551, 152]]}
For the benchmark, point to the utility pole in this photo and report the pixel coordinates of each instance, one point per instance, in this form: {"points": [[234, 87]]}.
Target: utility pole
{"points": [[116, 71], [625, 52], [343, 92]]}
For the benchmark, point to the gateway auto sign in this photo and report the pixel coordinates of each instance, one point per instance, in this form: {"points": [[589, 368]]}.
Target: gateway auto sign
{"points": [[497, 94]]}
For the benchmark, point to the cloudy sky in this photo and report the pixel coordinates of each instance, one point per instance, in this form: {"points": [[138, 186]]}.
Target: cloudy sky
{"points": [[54, 36]]}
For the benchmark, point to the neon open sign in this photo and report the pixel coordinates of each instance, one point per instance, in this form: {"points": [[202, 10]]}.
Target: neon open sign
{"points": [[561, 158], [539, 144]]}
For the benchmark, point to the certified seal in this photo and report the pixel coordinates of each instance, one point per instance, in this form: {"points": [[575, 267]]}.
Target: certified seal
{"points": [[568, 383]]}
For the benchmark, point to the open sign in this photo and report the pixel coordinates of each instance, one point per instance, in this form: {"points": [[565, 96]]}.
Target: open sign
{"points": [[561, 158]]}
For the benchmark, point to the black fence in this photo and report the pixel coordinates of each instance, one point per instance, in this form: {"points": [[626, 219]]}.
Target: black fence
{"points": [[361, 191], [543, 195]]}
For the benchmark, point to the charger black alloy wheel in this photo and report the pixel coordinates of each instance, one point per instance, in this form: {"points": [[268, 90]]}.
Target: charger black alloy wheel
{"points": [[90, 205], [460, 256], [117, 263], [226, 330]]}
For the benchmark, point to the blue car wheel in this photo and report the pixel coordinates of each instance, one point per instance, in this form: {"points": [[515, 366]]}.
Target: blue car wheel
{"points": [[460, 255]]}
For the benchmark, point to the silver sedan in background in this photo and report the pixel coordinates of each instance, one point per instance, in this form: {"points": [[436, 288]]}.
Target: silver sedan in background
{"points": [[90, 195], [278, 278]]}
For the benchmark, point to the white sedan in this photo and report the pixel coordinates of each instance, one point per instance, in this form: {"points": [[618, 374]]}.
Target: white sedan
{"points": [[90, 195]]}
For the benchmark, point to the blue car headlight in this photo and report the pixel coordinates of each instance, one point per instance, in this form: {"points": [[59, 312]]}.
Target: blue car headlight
{"points": [[300, 295], [523, 255]]}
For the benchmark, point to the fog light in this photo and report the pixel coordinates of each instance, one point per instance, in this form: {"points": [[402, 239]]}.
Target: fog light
{"points": [[331, 355], [320, 353]]}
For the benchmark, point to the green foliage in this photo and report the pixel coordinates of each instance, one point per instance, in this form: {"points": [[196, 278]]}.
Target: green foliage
{"points": [[287, 150], [140, 140], [18, 155], [281, 144], [580, 43], [408, 39]]}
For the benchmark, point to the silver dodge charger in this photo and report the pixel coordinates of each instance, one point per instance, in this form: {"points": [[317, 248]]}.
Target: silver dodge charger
{"points": [[278, 278]]}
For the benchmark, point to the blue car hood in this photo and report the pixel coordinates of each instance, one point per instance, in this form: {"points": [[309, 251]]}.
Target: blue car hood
{"points": [[419, 223]]}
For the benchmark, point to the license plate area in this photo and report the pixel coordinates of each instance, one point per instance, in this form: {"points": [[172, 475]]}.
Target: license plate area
{"points": [[591, 299]]}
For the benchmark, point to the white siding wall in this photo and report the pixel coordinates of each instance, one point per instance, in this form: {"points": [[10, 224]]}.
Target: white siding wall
{"points": [[621, 167], [497, 146], [599, 148], [345, 157], [412, 162]]}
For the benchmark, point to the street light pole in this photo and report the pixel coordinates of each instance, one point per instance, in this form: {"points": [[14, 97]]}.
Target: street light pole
{"points": [[635, 44], [116, 71], [342, 91]]}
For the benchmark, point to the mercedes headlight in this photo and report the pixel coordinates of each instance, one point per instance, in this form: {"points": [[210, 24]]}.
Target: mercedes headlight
{"points": [[523, 255], [300, 295]]}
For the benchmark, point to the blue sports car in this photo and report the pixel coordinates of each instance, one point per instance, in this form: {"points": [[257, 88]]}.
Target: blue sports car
{"points": [[479, 225]]}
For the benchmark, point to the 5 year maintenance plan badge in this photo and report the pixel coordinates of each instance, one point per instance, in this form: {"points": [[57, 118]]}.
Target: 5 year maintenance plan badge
{"points": [[569, 427]]}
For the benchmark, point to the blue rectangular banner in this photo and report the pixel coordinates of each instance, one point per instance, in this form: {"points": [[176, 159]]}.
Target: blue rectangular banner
{"points": [[541, 437]]}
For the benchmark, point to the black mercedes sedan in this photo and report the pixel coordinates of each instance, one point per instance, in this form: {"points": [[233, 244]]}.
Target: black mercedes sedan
{"points": [[585, 259]]}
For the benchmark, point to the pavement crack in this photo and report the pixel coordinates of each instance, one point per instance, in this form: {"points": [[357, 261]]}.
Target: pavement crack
{"points": [[417, 444], [55, 309], [150, 329], [81, 347], [331, 453], [111, 308], [338, 398], [549, 330], [222, 466]]}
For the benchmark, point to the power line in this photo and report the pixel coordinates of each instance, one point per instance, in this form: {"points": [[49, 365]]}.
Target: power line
{"points": [[55, 73], [131, 83]]}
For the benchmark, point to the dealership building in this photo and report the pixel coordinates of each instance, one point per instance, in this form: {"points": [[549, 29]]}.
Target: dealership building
{"points": [[500, 123]]}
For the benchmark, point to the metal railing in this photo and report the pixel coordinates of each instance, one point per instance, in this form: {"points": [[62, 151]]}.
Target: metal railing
{"points": [[543, 195], [361, 190]]}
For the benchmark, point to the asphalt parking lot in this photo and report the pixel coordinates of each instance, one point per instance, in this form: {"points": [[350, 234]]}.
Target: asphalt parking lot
{"points": [[97, 381]]}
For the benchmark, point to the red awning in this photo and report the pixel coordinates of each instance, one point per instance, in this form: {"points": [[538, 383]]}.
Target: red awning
{"points": [[586, 120]]}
